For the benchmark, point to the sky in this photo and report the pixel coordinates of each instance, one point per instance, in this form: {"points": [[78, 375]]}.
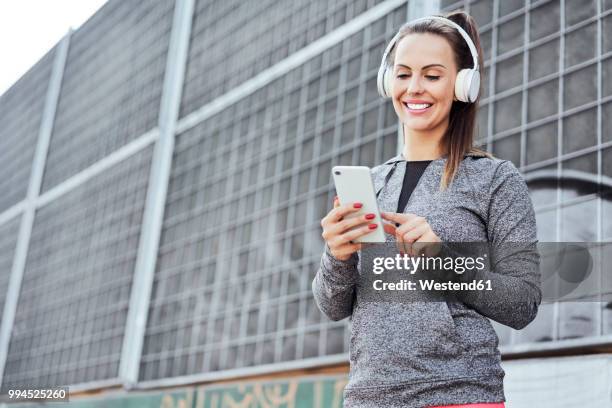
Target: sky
{"points": [[30, 28]]}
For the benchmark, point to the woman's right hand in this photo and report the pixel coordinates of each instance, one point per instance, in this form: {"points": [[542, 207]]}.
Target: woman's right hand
{"points": [[337, 233]]}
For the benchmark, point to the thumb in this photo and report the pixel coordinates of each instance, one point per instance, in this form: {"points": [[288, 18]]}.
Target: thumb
{"points": [[389, 228]]}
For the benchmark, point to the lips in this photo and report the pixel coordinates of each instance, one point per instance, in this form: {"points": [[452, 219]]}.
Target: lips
{"points": [[417, 106]]}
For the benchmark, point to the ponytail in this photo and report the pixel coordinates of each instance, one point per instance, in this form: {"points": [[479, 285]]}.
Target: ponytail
{"points": [[459, 138]]}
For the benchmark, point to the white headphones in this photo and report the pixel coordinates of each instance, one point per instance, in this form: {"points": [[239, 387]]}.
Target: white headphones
{"points": [[467, 84]]}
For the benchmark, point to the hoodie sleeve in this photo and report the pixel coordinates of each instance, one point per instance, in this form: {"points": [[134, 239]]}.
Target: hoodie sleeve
{"points": [[514, 260], [334, 285]]}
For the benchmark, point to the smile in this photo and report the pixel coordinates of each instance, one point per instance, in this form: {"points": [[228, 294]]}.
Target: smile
{"points": [[417, 107]]}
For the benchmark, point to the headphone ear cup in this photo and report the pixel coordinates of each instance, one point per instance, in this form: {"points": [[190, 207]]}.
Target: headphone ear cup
{"points": [[467, 85], [460, 85], [380, 78], [474, 88], [382, 81], [388, 74]]}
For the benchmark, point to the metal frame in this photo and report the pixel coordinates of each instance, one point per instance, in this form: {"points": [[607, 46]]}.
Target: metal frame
{"points": [[156, 194], [12, 212], [230, 98], [243, 372], [100, 166], [212, 310], [556, 307], [29, 206], [293, 61]]}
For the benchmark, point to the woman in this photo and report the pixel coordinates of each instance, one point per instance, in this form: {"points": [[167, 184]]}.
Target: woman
{"points": [[439, 190]]}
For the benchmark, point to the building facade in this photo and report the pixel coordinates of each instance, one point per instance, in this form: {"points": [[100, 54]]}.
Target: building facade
{"points": [[166, 167]]}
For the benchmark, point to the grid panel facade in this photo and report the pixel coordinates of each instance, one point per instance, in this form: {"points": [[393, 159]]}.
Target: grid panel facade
{"points": [[74, 296], [232, 41], [21, 110], [544, 107], [241, 237], [8, 241], [112, 84]]}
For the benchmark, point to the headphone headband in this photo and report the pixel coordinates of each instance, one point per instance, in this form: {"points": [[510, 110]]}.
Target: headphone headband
{"points": [[465, 35], [446, 21]]}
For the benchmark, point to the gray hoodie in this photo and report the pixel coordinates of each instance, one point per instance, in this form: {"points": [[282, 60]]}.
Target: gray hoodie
{"points": [[427, 353]]}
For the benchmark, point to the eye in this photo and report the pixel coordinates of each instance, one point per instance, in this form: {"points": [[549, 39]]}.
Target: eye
{"points": [[402, 76], [432, 77]]}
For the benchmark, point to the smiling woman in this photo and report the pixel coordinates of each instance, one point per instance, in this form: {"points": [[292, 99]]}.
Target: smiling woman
{"points": [[438, 94], [433, 352]]}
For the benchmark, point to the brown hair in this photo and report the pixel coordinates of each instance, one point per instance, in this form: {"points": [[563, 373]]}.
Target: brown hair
{"points": [[459, 137]]}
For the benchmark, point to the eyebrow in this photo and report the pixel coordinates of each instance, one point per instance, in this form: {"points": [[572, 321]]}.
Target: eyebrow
{"points": [[425, 67]]}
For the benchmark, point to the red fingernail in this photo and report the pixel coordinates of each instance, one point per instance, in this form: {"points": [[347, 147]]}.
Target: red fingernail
{"points": [[372, 226], [370, 216], [357, 205]]}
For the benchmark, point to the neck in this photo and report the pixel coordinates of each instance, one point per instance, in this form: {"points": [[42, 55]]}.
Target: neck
{"points": [[423, 145]]}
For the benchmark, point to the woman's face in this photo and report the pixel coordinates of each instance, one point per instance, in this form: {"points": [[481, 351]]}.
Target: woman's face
{"points": [[423, 81]]}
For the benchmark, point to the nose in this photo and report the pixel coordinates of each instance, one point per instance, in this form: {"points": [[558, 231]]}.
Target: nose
{"points": [[415, 85]]}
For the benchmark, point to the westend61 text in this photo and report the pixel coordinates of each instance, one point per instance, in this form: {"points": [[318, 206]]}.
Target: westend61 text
{"points": [[427, 284]]}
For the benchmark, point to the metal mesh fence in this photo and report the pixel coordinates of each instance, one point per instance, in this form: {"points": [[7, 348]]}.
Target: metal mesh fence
{"points": [[112, 84], [74, 296], [545, 110], [8, 242], [249, 185], [21, 109], [241, 239], [233, 41]]}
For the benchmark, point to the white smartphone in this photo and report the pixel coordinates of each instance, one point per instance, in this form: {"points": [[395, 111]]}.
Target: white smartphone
{"points": [[354, 184]]}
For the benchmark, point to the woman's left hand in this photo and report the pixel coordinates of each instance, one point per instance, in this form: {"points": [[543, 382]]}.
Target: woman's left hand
{"points": [[414, 234]]}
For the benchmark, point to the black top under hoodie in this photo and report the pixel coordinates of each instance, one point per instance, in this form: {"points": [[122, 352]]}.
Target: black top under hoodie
{"points": [[414, 171]]}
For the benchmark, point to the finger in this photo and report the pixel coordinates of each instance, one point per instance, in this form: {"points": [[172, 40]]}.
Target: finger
{"points": [[415, 233], [336, 202], [397, 217], [359, 232], [389, 228], [419, 248], [430, 236], [346, 224], [343, 210], [402, 246], [433, 245], [345, 251], [337, 214], [410, 225]]}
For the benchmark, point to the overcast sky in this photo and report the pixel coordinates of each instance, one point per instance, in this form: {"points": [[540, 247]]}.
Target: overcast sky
{"points": [[30, 28]]}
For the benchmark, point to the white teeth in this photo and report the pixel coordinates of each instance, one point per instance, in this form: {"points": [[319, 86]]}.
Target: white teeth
{"points": [[418, 105]]}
